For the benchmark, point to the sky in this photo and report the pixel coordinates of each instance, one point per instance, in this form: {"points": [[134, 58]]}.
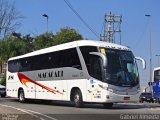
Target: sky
{"points": [[136, 27]]}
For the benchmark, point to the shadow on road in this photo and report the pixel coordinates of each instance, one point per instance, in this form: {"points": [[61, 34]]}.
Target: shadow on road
{"points": [[99, 106]]}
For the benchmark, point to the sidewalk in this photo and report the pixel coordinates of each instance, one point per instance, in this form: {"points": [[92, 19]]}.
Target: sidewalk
{"points": [[8, 113]]}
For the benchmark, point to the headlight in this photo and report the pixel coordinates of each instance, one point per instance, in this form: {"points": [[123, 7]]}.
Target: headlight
{"points": [[106, 88]]}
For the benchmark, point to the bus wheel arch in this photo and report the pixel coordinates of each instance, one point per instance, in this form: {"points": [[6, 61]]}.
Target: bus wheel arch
{"points": [[76, 97], [21, 95]]}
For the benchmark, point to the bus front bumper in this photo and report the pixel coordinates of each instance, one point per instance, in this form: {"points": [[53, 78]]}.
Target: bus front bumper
{"points": [[116, 98]]}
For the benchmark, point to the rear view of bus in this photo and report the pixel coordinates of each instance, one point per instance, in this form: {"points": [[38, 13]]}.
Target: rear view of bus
{"points": [[156, 84]]}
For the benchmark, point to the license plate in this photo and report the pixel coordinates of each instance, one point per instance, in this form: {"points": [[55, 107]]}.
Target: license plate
{"points": [[126, 98]]}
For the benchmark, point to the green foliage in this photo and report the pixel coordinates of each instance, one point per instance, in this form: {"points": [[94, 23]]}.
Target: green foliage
{"points": [[3, 80], [67, 35], [16, 44], [11, 47], [43, 41]]}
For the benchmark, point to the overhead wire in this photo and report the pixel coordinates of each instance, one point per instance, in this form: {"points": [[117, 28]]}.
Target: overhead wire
{"points": [[83, 21]]}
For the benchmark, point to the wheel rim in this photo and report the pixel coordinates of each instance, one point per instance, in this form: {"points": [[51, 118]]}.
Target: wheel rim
{"points": [[21, 96], [76, 98]]}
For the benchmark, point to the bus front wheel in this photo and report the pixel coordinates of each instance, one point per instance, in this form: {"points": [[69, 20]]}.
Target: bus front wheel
{"points": [[77, 98], [158, 100], [21, 96]]}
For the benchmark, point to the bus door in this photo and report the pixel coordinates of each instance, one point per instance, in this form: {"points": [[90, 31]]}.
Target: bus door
{"points": [[95, 72]]}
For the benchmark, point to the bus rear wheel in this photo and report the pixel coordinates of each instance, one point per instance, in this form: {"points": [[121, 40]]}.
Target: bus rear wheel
{"points": [[21, 96], [77, 98]]}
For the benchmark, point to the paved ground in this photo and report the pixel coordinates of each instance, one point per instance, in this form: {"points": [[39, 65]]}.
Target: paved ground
{"points": [[9, 113], [44, 110]]}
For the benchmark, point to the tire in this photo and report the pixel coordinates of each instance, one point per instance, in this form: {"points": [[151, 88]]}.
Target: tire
{"points": [[158, 100], [77, 98], [140, 101], [3, 96], [108, 105], [21, 96]]}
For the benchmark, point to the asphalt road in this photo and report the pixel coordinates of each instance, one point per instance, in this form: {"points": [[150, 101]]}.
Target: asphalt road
{"points": [[11, 109]]}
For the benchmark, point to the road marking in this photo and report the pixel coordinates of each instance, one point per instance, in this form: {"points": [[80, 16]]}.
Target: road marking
{"points": [[154, 108], [30, 112]]}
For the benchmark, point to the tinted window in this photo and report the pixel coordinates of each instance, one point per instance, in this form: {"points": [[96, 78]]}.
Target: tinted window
{"points": [[95, 68], [146, 94], [13, 66], [64, 58], [69, 58], [93, 63], [157, 75]]}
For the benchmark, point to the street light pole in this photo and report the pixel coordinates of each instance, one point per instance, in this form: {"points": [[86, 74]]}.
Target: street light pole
{"points": [[150, 49], [46, 16], [158, 59]]}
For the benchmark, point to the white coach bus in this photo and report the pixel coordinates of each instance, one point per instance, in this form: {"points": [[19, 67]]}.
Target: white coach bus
{"points": [[80, 71]]}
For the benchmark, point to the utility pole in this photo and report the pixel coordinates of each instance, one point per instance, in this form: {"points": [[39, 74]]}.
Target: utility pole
{"points": [[114, 25], [158, 59], [150, 49]]}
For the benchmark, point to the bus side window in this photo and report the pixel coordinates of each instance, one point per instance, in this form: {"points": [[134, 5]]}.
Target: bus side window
{"points": [[25, 65], [92, 62], [57, 59], [157, 75], [13, 66], [95, 67], [69, 58]]}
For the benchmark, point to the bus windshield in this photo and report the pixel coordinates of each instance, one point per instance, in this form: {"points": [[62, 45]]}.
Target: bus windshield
{"points": [[121, 69], [157, 75]]}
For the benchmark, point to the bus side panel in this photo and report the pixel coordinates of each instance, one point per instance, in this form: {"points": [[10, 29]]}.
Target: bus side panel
{"points": [[11, 89], [12, 84], [44, 93], [94, 91], [29, 90], [156, 89]]}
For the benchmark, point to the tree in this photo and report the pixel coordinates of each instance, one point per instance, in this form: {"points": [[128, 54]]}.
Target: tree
{"points": [[29, 41], [63, 36], [3, 80], [9, 18], [11, 46], [67, 35], [43, 41]]}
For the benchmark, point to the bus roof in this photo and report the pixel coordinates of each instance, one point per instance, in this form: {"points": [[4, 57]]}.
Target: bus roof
{"points": [[71, 45], [157, 68]]}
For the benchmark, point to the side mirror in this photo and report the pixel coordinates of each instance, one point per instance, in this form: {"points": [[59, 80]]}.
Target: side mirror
{"points": [[104, 58], [143, 61]]}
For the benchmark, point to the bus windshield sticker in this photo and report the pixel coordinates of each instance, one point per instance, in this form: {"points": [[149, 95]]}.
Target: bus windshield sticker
{"points": [[103, 51]]}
